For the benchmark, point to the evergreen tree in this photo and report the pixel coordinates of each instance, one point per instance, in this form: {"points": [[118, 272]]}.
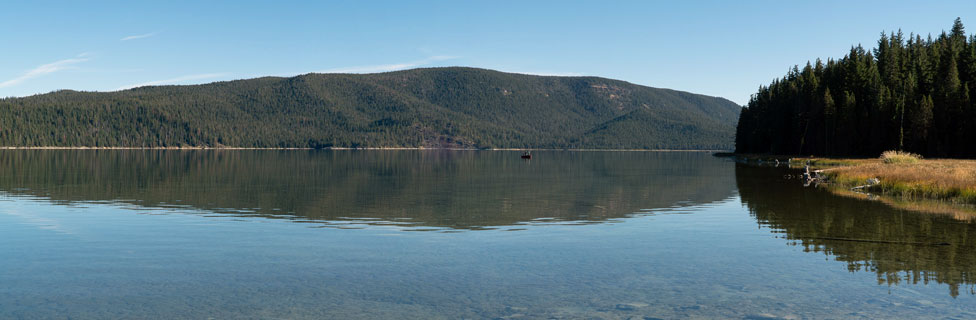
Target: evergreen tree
{"points": [[908, 93]]}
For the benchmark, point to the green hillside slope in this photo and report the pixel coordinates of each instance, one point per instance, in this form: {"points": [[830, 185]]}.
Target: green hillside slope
{"points": [[434, 107]]}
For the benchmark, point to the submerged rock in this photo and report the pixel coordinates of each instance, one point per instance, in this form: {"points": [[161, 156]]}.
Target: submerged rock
{"points": [[630, 306]]}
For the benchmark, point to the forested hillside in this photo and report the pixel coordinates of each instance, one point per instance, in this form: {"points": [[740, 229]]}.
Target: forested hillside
{"points": [[910, 93], [435, 107]]}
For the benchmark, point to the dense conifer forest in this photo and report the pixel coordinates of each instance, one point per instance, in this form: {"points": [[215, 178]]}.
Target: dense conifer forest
{"points": [[911, 93], [434, 107]]}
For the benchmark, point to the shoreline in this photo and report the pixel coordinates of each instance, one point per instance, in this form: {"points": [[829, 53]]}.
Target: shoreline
{"points": [[927, 185], [360, 148]]}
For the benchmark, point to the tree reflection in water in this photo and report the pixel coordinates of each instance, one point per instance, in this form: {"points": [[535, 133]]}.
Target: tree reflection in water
{"points": [[900, 246]]}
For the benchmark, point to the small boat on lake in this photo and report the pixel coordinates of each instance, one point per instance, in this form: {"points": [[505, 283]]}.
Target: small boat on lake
{"points": [[526, 155]]}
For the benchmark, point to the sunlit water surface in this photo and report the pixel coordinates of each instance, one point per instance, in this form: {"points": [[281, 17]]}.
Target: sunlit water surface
{"points": [[459, 234]]}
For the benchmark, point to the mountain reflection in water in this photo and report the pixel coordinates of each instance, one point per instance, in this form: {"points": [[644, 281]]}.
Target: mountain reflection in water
{"points": [[900, 246], [422, 190], [247, 233], [474, 190]]}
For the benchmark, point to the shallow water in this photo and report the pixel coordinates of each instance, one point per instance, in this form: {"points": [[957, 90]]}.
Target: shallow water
{"points": [[462, 234]]}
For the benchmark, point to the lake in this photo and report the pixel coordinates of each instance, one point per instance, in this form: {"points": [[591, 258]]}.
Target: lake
{"points": [[459, 234]]}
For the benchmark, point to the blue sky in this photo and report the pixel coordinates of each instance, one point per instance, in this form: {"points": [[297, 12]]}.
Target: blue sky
{"points": [[718, 48]]}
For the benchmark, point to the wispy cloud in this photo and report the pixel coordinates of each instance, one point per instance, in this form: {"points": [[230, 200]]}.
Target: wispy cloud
{"points": [[46, 69], [389, 67], [176, 80], [138, 36]]}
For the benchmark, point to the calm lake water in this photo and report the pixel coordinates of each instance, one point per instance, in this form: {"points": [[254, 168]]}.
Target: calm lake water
{"points": [[459, 234]]}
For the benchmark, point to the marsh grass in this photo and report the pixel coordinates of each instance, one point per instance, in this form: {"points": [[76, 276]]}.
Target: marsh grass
{"points": [[891, 157], [947, 180], [821, 163]]}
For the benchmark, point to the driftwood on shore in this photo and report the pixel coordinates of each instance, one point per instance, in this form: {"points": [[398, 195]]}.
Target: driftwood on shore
{"points": [[812, 177], [871, 182]]}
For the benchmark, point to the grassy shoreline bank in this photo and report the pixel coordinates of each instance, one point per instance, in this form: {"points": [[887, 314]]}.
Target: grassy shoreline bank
{"points": [[904, 177], [941, 179]]}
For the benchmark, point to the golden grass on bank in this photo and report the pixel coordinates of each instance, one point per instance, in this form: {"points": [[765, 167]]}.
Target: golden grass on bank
{"points": [[949, 180], [821, 163], [891, 157]]}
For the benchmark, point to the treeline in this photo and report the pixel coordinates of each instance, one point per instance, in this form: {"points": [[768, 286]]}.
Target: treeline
{"points": [[435, 107], [910, 93]]}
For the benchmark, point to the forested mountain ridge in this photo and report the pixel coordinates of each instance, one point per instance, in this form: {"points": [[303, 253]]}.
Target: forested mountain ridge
{"points": [[431, 107], [910, 93]]}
